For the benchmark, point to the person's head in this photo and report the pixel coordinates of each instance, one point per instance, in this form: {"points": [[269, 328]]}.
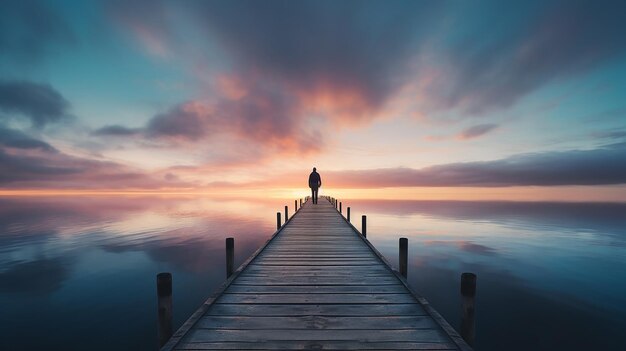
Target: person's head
{"points": [[314, 169]]}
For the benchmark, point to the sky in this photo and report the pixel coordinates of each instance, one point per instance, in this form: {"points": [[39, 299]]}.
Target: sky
{"points": [[388, 99]]}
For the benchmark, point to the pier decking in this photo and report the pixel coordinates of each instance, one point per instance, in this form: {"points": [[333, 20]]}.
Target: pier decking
{"points": [[317, 284]]}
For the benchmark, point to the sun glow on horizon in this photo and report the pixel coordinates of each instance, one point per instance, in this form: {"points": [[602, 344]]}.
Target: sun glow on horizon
{"points": [[539, 194]]}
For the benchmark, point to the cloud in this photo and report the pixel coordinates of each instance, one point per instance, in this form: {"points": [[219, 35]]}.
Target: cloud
{"points": [[30, 29], [188, 121], [340, 59], [147, 22], [355, 46], [601, 166], [351, 57], [40, 103], [611, 135], [260, 117], [499, 61], [115, 130], [476, 131], [292, 71], [254, 118], [17, 139], [288, 73], [31, 163]]}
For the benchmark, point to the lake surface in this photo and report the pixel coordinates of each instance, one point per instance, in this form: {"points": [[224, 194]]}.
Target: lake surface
{"points": [[79, 272]]}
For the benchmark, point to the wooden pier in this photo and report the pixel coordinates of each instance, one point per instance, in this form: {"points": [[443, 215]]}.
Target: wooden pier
{"points": [[316, 284]]}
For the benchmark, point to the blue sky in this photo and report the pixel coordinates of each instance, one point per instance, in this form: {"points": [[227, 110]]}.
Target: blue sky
{"points": [[376, 94]]}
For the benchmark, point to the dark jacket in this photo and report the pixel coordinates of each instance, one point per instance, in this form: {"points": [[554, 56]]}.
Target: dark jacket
{"points": [[315, 181]]}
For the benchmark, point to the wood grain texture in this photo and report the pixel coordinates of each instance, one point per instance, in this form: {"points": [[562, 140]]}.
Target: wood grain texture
{"points": [[317, 284]]}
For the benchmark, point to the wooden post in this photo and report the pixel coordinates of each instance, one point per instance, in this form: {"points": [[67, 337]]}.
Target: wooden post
{"points": [[335, 204], [277, 220], [340, 210], [364, 225], [348, 213], [468, 294], [404, 254], [164, 294], [286, 213], [295, 206], [300, 203], [230, 256]]}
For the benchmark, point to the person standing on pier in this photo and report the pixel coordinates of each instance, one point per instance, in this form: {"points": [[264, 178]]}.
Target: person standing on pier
{"points": [[315, 182]]}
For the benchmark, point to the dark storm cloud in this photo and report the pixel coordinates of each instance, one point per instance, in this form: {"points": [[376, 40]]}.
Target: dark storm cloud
{"points": [[477, 131], [577, 167], [40, 103], [29, 29], [18, 139], [115, 130]]}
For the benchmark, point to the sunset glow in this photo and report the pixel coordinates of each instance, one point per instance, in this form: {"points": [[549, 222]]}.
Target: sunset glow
{"points": [[401, 100]]}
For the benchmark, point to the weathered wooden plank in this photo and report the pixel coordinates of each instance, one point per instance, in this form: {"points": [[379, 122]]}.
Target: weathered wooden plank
{"points": [[317, 310], [255, 267], [314, 255], [275, 298], [317, 322], [372, 335], [320, 263], [316, 345], [318, 289], [315, 281], [316, 260], [317, 273]]}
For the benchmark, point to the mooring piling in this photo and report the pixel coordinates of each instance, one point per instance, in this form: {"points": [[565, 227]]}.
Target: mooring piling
{"points": [[230, 256], [164, 294], [403, 256], [364, 225], [468, 294]]}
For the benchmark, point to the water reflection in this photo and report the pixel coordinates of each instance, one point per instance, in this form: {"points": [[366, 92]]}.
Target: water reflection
{"points": [[550, 276], [79, 269]]}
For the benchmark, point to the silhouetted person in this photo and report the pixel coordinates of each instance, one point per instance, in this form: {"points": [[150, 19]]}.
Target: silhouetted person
{"points": [[315, 182]]}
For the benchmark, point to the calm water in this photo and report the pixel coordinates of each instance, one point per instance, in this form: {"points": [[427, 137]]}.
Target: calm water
{"points": [[79, 273]]}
